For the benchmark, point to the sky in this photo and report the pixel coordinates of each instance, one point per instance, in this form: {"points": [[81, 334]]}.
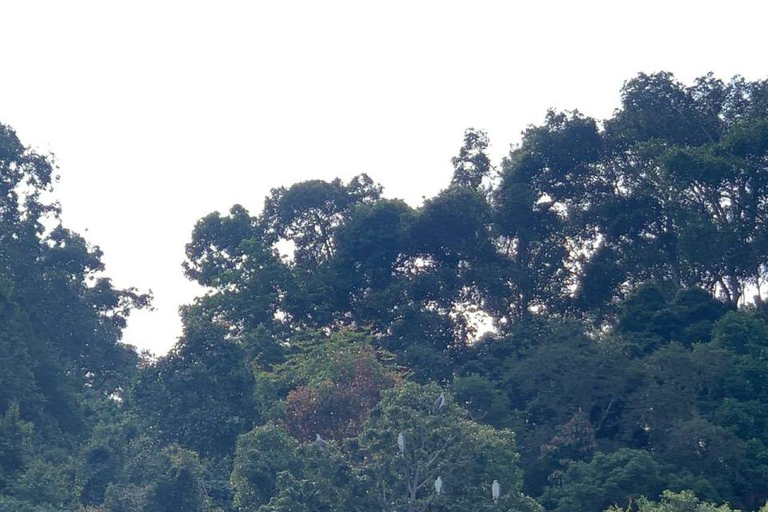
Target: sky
{"points": [[161, 112]]}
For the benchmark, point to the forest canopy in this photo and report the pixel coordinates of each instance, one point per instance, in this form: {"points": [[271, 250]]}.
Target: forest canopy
{"points": [[579, 327]]}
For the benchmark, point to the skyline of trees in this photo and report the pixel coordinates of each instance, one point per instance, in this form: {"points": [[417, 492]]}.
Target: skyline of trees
{"points": [[613, 259]]}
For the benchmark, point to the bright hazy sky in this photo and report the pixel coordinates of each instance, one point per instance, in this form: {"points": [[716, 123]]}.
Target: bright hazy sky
{"points": [[161, 112]]}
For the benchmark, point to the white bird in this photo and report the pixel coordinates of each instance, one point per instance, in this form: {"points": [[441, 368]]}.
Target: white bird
{"points": [[495, 491], [440, 402], [320, 442], [401, 442], [438, 485]]}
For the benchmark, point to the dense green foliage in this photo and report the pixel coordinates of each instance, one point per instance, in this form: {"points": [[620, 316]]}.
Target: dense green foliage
{"points": [[590, 311]]}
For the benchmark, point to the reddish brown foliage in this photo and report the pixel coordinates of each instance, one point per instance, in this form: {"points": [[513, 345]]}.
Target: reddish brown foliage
{"points": [[337, 407], [574, 440]]}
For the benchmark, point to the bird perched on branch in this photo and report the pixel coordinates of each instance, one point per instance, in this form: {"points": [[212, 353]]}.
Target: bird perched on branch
{"points": [[439, 403], [438, 485], [401, 442], [495, 491], [320, 442]]}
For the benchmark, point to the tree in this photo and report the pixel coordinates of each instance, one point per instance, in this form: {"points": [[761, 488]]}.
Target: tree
{"points": [[530, 238], [336, 386], [687, 173], [472, 164], [63, 363], [12, 453], [273, 472], [199, 395], [261, 456], [444, 443], [309, 213], [657, 314], [66, 319], [684, 501], [608, 479], [158, 479], [370, 263], [248, 279]]}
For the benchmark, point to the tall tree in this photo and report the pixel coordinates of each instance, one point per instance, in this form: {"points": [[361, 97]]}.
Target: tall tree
{"points": [[472, 165]]}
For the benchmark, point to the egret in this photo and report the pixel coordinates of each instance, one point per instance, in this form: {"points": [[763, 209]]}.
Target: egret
{"points": [[438, 485], [495, 491], [401, 442], [320, 442], [440, 402]]}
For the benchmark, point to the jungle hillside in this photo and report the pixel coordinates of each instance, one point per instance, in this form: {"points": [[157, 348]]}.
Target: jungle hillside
{"points": [[579, 327]]}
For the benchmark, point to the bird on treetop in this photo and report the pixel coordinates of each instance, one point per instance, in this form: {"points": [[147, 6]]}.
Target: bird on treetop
{"points": [[440, 402], [320, 442], [438, 485]]}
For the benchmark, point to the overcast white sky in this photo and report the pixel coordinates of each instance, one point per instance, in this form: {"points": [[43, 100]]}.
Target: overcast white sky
{"points": [[161, 112]]}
